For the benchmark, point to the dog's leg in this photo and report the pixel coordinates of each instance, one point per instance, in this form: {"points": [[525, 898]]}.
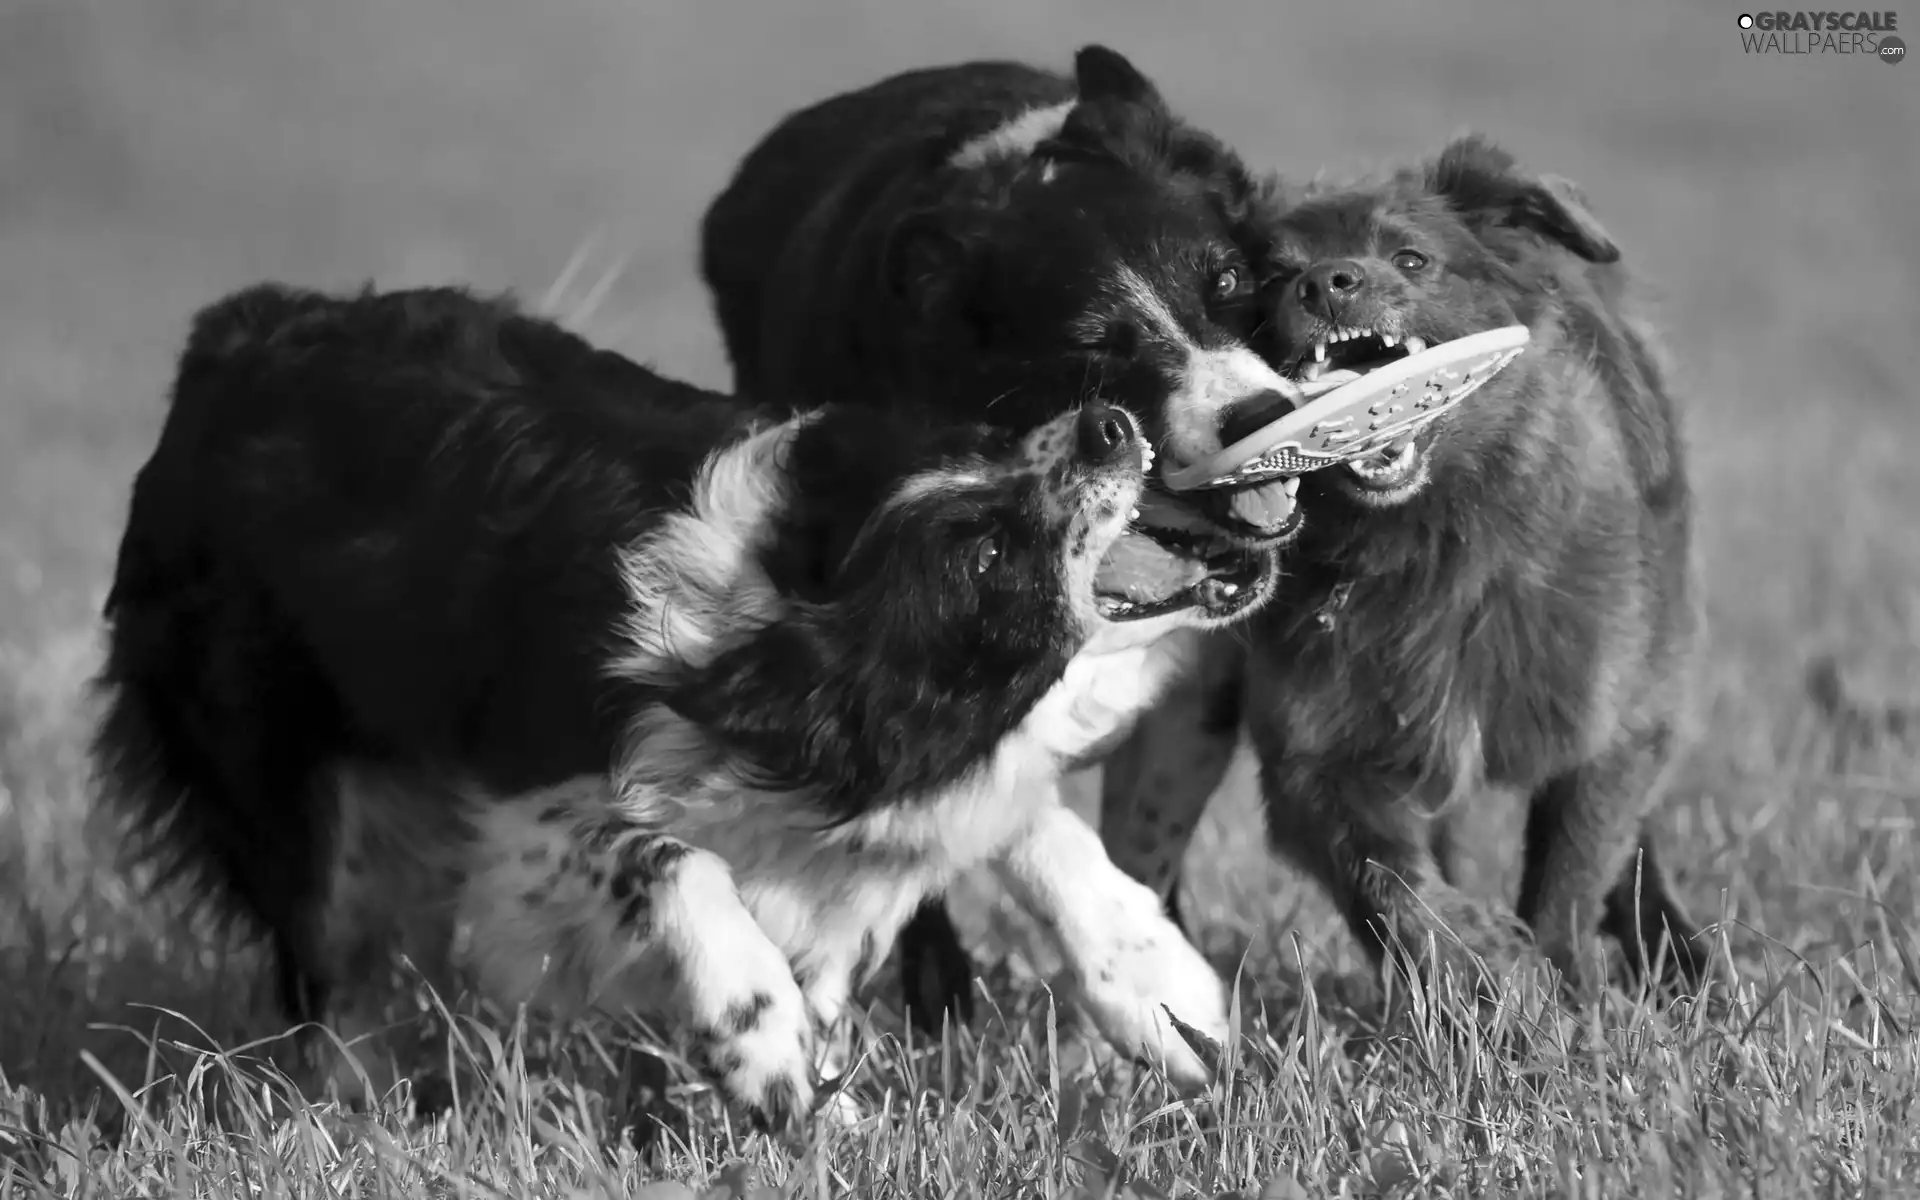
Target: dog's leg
{"points": [[1157, 784], [936, 972], [575, 903], [394, 855], [1444, 841], [1641, 908], [1368, 840], [1583, 828], [1126, 959]]}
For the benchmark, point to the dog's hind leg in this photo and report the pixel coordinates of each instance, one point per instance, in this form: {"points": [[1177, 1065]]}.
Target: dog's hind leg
{"points": [[577, 902], [1583, 828], [1156, 786]]}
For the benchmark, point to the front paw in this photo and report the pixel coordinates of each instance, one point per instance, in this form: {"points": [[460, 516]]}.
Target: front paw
{"points": [[1468, 947], [1152, 985], [760, 1051]]}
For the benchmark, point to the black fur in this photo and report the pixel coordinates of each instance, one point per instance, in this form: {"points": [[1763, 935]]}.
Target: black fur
{"points": [[846, 252], [386, 529]]}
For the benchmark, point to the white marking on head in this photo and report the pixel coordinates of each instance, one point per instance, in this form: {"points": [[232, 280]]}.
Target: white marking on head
{"points": [[1211, 381], [1128, 293], [1212, 384], [1152, 309], [1014, 138], [951, 481], [927, 484]]}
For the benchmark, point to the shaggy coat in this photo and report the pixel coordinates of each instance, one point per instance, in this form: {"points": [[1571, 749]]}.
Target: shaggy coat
{"points": [[1506, 602], [436, 629]]}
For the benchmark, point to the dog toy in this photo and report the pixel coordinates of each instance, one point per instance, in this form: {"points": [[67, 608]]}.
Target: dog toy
{"points": [[1360, 416]]}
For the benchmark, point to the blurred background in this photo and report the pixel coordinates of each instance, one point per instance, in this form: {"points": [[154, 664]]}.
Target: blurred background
{"points": [[155, 153]]}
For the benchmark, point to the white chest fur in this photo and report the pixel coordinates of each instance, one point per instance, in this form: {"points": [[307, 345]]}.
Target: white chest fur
{"points": [[1106, 689], [835, 899]]}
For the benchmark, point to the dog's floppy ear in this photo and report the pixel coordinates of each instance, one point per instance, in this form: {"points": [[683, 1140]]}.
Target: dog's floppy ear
{"points": [[764, 702], [1100, 73], [1484, 184]]}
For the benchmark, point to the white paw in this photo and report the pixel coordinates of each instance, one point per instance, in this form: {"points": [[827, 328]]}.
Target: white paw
{"points": [[1148, 970], [1127, 962], [842, 1110], [760, 1048], [746, 1011]]}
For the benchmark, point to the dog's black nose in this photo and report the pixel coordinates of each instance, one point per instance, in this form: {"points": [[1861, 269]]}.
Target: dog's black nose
{"points": [[1254, 413], [1104, 433], [1329, 283]]}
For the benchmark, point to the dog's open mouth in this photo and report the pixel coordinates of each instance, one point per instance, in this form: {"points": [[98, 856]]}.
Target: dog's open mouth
{"points": [[1342, 353], [1266, 513], [1339, 348], [1170, 559]]}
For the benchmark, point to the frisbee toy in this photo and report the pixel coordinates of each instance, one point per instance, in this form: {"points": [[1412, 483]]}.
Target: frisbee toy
{"points": [[1362, 416]]}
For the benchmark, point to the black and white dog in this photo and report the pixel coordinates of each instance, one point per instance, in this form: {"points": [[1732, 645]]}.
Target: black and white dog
{"points": [[1000, 241], [434, 628]]}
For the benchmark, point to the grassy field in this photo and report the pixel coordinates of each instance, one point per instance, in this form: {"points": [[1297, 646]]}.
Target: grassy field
{"points": [[154, 154]]}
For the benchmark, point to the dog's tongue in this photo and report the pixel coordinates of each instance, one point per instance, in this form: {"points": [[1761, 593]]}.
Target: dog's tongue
{"points": [[1320, 385], [1143, 571], [1265, 507]]}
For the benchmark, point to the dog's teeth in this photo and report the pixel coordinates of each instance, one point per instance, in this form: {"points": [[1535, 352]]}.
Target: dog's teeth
{"points": [[1319, 352], [1312, 370], [1387, 340], [1292, 485], [1416, 345], [1133, 514]]}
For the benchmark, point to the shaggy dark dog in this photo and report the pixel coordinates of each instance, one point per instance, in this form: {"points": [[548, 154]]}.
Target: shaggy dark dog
{"points": [[998, 241], [1505, 601], [435, 629]]}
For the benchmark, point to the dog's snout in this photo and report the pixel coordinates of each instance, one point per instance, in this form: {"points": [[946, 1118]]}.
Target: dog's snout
{"points": [[1253, 414], [1105, 433], [1329, 283]]}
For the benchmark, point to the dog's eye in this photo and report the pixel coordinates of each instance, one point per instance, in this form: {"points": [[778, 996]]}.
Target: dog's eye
{"points": [[1409, 260], [1225, 284], [986, 553]]}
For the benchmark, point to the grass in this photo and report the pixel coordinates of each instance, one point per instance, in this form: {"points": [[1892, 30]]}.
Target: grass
{"points": [[153, 156]]}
